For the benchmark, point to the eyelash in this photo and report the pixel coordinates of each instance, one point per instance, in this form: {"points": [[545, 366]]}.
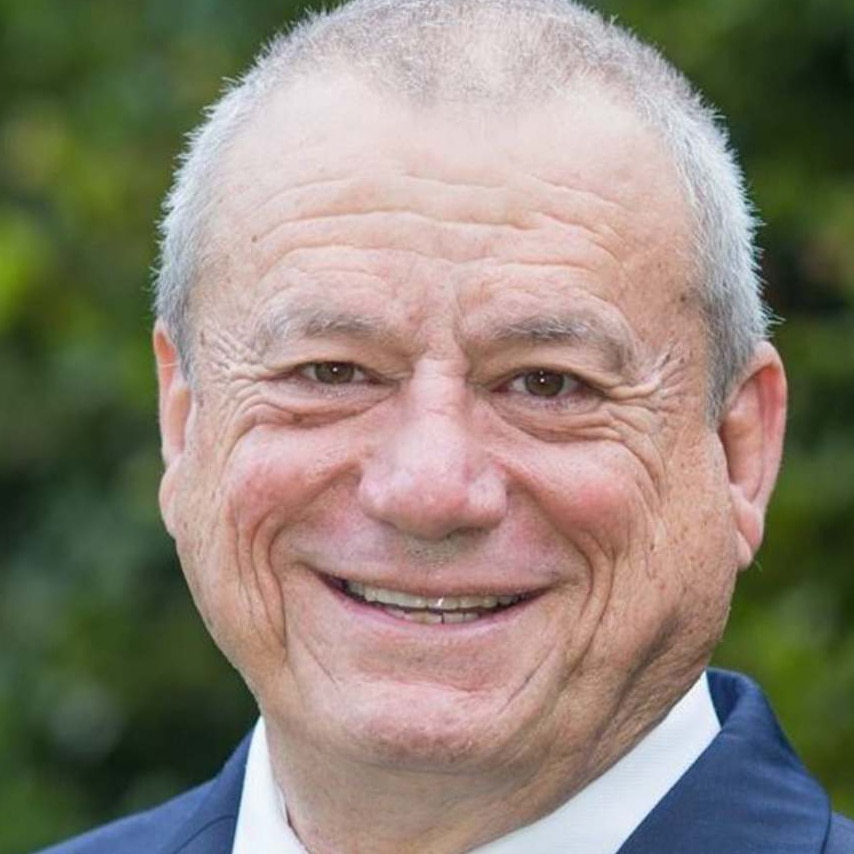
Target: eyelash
{"points": [[305, 371], [530, 382], [526, 383]]}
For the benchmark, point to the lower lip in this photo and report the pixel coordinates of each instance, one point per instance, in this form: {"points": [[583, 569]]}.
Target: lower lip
{"points": [[378, 615]]}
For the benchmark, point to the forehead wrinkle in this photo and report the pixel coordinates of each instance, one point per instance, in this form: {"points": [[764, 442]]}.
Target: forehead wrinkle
{"points": [[474, 206]]}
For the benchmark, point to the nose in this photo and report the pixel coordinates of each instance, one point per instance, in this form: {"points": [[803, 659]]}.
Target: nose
{"points": [[430, 476]]}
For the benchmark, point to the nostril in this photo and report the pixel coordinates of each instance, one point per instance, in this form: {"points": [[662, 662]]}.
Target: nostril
{"points": [[436, 506]]}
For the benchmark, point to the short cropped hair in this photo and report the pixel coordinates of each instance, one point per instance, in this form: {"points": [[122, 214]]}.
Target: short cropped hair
{"points": [[491, 53]]}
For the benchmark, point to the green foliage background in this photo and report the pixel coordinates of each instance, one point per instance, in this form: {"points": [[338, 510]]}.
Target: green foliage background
{"points": [[111, 695]]}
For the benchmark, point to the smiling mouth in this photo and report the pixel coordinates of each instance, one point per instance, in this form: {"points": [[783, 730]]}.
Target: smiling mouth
{"points": [[428, 610]]}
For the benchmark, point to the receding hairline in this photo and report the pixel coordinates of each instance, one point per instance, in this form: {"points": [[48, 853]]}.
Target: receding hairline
{"points": [[379, 112]]}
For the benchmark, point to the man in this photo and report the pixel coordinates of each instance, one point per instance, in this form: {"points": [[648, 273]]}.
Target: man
{"points": [[469, 423]]}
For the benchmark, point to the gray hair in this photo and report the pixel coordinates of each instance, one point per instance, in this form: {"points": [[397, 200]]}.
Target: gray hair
{"points": [[498, 52]]}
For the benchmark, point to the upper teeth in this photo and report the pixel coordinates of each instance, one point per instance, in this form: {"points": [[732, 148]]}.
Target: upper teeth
{"points": [[433, 603]]}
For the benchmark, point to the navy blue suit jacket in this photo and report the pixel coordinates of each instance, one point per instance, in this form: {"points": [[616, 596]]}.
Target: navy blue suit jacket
{"points": [[747, 794]]}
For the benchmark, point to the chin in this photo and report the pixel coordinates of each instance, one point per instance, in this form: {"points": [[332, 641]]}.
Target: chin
{"points": [[419, 728]]}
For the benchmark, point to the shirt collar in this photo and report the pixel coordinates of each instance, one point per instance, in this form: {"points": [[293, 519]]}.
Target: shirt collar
{"points": [[598, 820]]}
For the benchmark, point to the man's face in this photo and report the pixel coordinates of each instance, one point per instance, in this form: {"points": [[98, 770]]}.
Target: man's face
{"points": [[444, 489]]}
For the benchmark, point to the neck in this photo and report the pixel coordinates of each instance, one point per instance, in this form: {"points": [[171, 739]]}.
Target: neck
{"points": [[337, 805]]}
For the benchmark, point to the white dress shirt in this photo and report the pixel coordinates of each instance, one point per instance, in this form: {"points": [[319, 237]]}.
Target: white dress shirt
{"points": [[598, 820]]}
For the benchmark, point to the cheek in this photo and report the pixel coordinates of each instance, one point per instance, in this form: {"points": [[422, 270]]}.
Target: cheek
{"points": [[231, 516], [624, 520], [599, 498], [274, 477], [601, 506]]}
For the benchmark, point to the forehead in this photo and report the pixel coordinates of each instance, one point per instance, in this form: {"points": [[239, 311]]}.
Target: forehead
{"points": [[332, 189], [335, 125]]}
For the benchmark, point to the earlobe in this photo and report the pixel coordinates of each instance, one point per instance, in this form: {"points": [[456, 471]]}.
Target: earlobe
{"points": [[751, 433], [175, 406]]}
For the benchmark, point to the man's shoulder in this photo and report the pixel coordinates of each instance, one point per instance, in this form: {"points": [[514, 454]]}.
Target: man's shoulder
{"points": [[840, 839], [146, 831], [747, 792]]}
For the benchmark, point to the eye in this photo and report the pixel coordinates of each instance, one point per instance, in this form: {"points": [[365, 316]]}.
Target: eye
{"points": [[332, 373], [544, 383]]}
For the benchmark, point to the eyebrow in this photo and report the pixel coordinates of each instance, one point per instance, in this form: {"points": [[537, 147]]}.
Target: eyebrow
{"points": [[314, 322], [568, 330], [571, 330]]}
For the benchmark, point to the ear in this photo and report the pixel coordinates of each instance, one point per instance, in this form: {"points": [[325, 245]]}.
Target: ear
{"points": [[175, 405], [751, 433]]}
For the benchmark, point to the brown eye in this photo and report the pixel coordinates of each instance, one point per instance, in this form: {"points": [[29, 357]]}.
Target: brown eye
{"points": [[542, 383], [332, 373]]}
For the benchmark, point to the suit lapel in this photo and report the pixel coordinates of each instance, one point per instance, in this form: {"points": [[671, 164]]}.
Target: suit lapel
{"points": [[209, 827], [748, 792]]}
